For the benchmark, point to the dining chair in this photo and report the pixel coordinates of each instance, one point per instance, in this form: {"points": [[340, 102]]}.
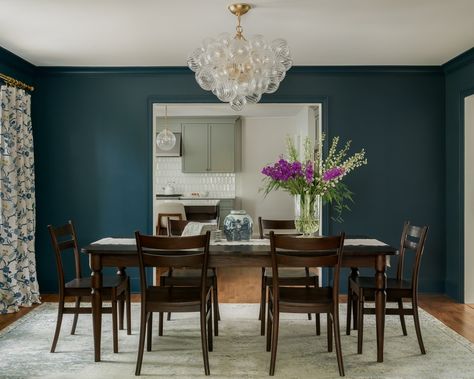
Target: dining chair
{"points": [[290, 251], [168, 210], [189, 276], [290, 276], [157, 251], [115, 288], [362, 289]]}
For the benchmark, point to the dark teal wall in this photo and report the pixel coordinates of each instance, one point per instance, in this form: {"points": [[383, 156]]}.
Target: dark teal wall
{"points": [[459, 75], [92, 144], [16, 67]]}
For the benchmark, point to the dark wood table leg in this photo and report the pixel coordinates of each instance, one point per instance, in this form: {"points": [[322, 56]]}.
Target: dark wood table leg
{"points": [[354, 275], [380, 298], [96, 267]]}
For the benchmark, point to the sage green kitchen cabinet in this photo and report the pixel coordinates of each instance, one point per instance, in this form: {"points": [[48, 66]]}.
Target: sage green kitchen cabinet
{"points": [[195, 148], [211, 145]]}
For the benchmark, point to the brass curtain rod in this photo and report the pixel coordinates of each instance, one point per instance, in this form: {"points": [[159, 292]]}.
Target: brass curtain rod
{"points": [[16, 83]]}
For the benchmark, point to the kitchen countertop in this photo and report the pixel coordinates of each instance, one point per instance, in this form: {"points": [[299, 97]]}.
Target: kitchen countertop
{"points": [[203, 202], [181, 197]]}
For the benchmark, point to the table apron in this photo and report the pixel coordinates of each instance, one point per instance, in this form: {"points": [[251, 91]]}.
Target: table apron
{"points": [[131, 260]]}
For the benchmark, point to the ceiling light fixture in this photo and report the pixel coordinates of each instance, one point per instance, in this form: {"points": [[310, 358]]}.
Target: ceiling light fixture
{"points": [[165, 140], [237, 70]]}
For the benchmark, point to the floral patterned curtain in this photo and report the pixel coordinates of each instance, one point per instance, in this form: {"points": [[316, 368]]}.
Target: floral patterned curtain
{"points": [[18, 282]]}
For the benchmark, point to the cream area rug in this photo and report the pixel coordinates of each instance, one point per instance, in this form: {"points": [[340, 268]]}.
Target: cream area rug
{"points": [[239, 350]]}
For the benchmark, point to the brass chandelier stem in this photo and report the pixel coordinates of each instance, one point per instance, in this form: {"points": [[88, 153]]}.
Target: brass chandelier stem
{"points": [[238, 10]]}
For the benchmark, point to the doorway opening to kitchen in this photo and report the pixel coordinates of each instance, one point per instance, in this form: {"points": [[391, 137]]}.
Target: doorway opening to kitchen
{"points": [[210, 162]]}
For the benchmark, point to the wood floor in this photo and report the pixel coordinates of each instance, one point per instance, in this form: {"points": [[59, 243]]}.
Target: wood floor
{"points": [[459, 317]]}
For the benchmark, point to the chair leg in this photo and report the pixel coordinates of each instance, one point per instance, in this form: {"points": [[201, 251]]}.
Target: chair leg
{"points": [[402, 317], [121, 311], [306, 269], [329, 332], [318, 316], [141, 342], [58, 324], [114, 322], [416, 319], [217, 295], [210, 341], [337, 341], [360, 323], [349, 309], [204, 342], [128, 301], [274, 342], [269, 325], [215, 307], [354, 313], [148, 332], [262, 288], [263, 307], [160, 324], [76, 315]]}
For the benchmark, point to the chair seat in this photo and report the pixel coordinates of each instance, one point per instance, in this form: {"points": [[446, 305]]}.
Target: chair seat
{"points": [[291, 276], [293, 297], [188, 273], [290, 272], [86, 283], [367, 282], [173, 299]]}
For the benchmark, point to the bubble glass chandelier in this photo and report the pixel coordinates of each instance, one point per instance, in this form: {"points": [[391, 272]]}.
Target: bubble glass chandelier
{"points": [[237, 70]]}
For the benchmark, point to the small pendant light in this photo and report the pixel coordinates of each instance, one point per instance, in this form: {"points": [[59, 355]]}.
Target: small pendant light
{"points": [[165, 140]]}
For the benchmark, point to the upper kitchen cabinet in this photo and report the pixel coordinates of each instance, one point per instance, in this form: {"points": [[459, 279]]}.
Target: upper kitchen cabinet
{"points": [[211, 145]]}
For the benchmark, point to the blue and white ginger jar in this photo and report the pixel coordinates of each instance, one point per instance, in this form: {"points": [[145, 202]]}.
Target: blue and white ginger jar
{"points": [[238, 226]]}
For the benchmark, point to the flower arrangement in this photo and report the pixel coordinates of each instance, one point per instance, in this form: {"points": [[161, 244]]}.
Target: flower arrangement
{"points": [[314, 176]]}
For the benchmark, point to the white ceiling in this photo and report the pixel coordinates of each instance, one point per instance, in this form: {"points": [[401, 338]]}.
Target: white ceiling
{"points": [[163, 33]]}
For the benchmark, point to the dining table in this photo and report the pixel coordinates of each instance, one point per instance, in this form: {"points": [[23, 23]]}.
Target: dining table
{"points": [[359, 252]]}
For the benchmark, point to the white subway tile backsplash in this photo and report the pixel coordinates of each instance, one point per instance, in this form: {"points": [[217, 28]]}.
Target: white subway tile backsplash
{"points": [[217, 184]]}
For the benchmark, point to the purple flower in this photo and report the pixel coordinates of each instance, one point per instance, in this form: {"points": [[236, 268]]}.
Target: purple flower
{"points": [[284, 170], [333, 173]]}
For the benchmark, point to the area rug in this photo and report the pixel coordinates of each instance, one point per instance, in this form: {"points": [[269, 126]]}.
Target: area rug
{"points": [[239, 350]]}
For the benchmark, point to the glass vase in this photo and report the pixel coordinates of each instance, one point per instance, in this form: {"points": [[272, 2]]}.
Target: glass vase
{"points": [[307, 214]]}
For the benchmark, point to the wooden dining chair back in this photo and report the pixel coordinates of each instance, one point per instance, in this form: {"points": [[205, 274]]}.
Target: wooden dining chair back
{"points": [[266, 225], [115, 288], [176, 227], [157, 251], [291, 251], [189, 276], [412, 241], [64, 239], [165, 211], [398, 289], [288, 276]]}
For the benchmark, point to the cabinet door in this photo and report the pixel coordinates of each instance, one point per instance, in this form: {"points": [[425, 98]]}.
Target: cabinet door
{"points": [[221, 147], [195, 148]]}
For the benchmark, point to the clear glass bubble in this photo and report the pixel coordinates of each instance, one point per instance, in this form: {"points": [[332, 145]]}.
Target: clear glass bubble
{"points": [[205, 79], [237, 104]]}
